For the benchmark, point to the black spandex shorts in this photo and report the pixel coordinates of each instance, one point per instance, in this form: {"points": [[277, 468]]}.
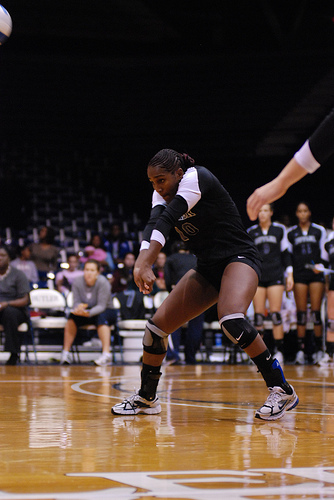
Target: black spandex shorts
{"points": [[309, 277], [213, 272], [266, 284], [331, 282]]}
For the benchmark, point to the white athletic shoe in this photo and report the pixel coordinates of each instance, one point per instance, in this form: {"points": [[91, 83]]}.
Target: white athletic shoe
{"points": [[326, 360], [103, 360], [277, 403], [66, 358], [300, 358], [136, 404], [317, 357], [280, 358]]}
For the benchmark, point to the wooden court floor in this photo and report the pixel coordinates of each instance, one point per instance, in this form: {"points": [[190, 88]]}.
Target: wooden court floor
{"points": [[58, 439]]}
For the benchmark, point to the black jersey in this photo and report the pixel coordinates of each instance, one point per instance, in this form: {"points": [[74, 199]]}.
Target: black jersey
{"points": [[329, 249], [205, 217], [307, 248], [274, 247]]}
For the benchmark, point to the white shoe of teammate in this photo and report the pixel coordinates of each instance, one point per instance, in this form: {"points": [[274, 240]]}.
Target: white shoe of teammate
{"points": [[103, 360], [300, 358], [326, 360], [317, 357]]}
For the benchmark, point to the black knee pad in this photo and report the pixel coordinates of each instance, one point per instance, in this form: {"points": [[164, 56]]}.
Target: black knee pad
{"points": [[258, 320], [301, 318], [238, 329], [276, 318], [155, 341], [316, 317]]}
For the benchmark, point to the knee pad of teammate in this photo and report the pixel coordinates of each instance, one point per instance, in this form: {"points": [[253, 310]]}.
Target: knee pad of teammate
{"points": [[330, 324], [238, 329], [155, 341], [316, 318], [276, 318], [301, 318], [258, 320]]}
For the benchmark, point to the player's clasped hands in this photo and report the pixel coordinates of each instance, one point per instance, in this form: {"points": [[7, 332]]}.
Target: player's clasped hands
{"points": [[144, 278]]}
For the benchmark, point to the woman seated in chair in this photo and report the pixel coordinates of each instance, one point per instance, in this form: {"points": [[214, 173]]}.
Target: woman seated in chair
{"points": [[92, 305], [14, 299]]}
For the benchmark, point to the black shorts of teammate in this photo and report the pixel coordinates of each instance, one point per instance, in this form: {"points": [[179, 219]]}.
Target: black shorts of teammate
{"points": [[213, 272], [107, 317], [308, 277], [331, 283], [266, 284]]}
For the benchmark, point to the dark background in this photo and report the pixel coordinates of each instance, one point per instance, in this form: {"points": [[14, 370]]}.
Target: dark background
{"points": [[99, 87]]}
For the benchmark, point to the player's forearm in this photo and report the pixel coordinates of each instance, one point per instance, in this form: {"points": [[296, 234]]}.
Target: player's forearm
{"points": [[290, 174], [149, 255]]}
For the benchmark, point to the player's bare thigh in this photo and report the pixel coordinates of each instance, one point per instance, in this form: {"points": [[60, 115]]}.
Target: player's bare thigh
{"points": [[190, 297], [238, 287]]}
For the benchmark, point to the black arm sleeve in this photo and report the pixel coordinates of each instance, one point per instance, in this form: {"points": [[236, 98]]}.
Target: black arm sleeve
{"points": [[154, 216], [322, 140], [171, 214]]}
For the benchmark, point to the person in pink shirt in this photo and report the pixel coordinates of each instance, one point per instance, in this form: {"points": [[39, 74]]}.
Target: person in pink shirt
{"points": [[96, 251], [65, 278]]}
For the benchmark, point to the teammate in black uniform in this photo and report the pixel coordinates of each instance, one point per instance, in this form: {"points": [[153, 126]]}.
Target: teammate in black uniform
{"points": [[329, 249], [192, 199], [315, 151], [272, 243], [307, 240]]}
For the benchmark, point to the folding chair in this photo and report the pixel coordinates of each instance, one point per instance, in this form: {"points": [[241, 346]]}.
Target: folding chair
{"points": [[47, 302]]}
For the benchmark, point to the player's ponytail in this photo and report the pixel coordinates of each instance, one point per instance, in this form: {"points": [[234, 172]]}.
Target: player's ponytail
{"points": [[171, 160]]}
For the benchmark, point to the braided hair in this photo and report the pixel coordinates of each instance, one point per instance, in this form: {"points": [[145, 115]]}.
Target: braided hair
{"points": [[171, 160]]}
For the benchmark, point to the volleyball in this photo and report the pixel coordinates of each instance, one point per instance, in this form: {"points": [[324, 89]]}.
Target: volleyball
{"points": [[5, 25]]}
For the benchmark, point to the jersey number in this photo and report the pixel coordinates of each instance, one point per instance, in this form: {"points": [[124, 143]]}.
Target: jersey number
{"points": [[187, 229]]}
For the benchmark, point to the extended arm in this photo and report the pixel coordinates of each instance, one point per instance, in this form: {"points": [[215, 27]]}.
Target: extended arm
{"points": [[276, 188]]}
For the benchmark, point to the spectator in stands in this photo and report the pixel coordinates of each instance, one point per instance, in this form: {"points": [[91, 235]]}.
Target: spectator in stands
{"points": [[14, 299], [92, 305], [159, 272], [176, 266], [117, 244], [123, 276], [26, 265], [65, 277], [45, 254], [95, 250]]}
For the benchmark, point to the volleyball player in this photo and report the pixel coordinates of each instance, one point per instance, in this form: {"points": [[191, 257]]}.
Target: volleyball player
{"points": [[191, 199], [315, 151], [329, 249], [307, 244], [271, 240]]}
